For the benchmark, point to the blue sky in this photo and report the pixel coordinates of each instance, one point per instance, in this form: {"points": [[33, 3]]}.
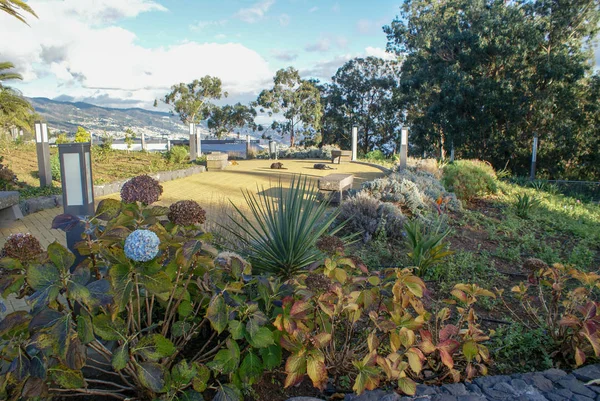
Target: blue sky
{"points": [[126, 53]]}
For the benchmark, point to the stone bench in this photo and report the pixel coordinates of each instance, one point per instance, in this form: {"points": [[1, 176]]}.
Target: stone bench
{"points": [[9, 206], [341, 156], [332, 186], [217, 161]]}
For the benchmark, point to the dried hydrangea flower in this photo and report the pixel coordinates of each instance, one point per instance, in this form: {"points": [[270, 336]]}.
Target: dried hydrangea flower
{"points": [[330, 245], [142, 188], [24, 247], [318, 282], [141, 245], [186, 213]]}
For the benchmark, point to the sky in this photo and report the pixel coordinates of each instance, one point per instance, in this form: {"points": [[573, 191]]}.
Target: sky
{"points": [[126, 53]]}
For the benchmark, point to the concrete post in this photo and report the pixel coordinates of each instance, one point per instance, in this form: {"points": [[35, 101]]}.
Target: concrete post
{"points": [[168, 144], [247, 145], [452, 153], [403, 147], [193, 146], [533, 157], [198, 142], [43, 154], [144, 142], [354, 143]]}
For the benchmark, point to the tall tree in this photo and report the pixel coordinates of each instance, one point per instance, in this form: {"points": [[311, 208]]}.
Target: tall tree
{"points": [[15, 110], [16, 9], [298, 100], [191, 101], [223, 120], [483, 76], [363, 91], [242, 115]]}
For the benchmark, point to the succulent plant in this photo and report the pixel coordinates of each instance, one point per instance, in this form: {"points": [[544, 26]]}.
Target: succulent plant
{"points": [[186, 213], [143, 188]]}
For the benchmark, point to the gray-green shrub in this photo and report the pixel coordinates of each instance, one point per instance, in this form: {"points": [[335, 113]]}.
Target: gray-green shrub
{"points": [[470, 179]]}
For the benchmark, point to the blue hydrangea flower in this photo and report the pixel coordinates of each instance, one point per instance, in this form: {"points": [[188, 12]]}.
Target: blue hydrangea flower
{"points": [[141, 245]]}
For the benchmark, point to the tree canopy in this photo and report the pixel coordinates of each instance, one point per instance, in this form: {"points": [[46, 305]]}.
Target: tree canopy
{"points": [[191, 102]]}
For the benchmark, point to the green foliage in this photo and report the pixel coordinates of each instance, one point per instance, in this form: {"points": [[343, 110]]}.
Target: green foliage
{"points": [[169, 319], [55, 167], [82, 135], [190, 101], [298, 100], [61, 138], [482, 77], [107, 142], [568, 310], [178, 154], [426, 244], [470, 179], [225, 119], [283, 227], [129, 138], [516, 348], [8, 179], [376, 155], [525, 204]]}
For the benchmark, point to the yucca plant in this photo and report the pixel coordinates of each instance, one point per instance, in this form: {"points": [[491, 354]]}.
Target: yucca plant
{"points": [[281, 231], [525, 204], [426, 244]]}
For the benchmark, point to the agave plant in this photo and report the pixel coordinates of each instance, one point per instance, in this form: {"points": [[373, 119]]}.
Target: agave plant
{"points": [[282, 230]]}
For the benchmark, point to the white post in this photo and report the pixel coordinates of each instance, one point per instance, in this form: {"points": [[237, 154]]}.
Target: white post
{"points": [[193, 146], [533, 157], [198, 142], [143, 142], [403, 147], [354, 143]]}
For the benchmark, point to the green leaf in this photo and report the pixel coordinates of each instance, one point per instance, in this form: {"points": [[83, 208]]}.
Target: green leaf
{"points": [[151, 375], [10, 264], [66, 378], [217, 313], [122, 283], [155, 284], [228, 393], [108, 329], [191, 248], [185, 308], [120, 357], [13, 322], [78, 292], [11, 284], [40, 277], [251, 368], [76, 354], [85, 331], [182, 373], [155, 347], [263, 338], [407, 386], [237, 330], [60, 256], [316, 369], [180, 328], [470, 350], [226, 360], [271, 356], [200, 382], [190, 395]]}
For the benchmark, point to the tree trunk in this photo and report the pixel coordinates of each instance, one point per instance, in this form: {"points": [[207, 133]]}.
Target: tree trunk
{"points": [[292, 137]]}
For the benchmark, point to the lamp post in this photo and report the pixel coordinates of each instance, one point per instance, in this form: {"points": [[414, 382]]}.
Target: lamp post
{"points": [[77, 187], [403, 147], [354, 143], [43, 154]]}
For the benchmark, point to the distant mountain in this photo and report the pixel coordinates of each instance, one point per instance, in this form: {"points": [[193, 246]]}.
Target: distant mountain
{"points": [[67, 116]]}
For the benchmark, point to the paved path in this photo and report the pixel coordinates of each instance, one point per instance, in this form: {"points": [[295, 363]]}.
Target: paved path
{"points": [[211, 189]]}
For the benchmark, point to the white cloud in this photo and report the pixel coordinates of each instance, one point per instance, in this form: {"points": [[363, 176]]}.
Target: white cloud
{"points": [[364, 26], [313, 9], [200, 25], [87, 60], [284, 20], [284, 55], [256, 12], [321, 45], [379, 52]]}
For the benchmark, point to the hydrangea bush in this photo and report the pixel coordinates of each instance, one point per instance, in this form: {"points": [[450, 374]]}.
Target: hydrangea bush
{"points": [[143, 189], [141, 245], [186, 213]]}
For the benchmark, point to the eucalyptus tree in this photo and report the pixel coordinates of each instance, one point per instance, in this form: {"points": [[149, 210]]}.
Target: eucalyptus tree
{"points": [[242, 115], [298, 100], [191, 102], [225, 119]]}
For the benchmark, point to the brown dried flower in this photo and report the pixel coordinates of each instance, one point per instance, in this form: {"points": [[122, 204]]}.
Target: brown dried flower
{"points": [[534, 264], [330, 245], [143, 188], [186, 213], [317, 282], [24, 247]]}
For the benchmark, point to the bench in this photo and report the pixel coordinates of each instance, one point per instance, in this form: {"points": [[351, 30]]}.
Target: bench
{"points": [[341, 155], [217, 161], [332, 186], [9, 206]]}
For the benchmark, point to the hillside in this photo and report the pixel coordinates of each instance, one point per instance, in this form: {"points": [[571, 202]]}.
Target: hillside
{"points": [[66, 116]]}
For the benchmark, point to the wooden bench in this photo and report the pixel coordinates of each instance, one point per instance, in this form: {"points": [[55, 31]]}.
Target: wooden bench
{"points": [[332, 186], [341, 155], [9, 206]]}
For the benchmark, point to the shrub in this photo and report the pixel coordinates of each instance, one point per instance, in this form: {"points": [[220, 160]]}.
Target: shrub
{"points": [[178, 154], [8, 179], [470, 179], [152, 308], [62, 138], [82, 135], [55, 167], [368, 216], [561, 301], [426, 245], [525, 204], [376, 155], [403, 193], [283, 228]]}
